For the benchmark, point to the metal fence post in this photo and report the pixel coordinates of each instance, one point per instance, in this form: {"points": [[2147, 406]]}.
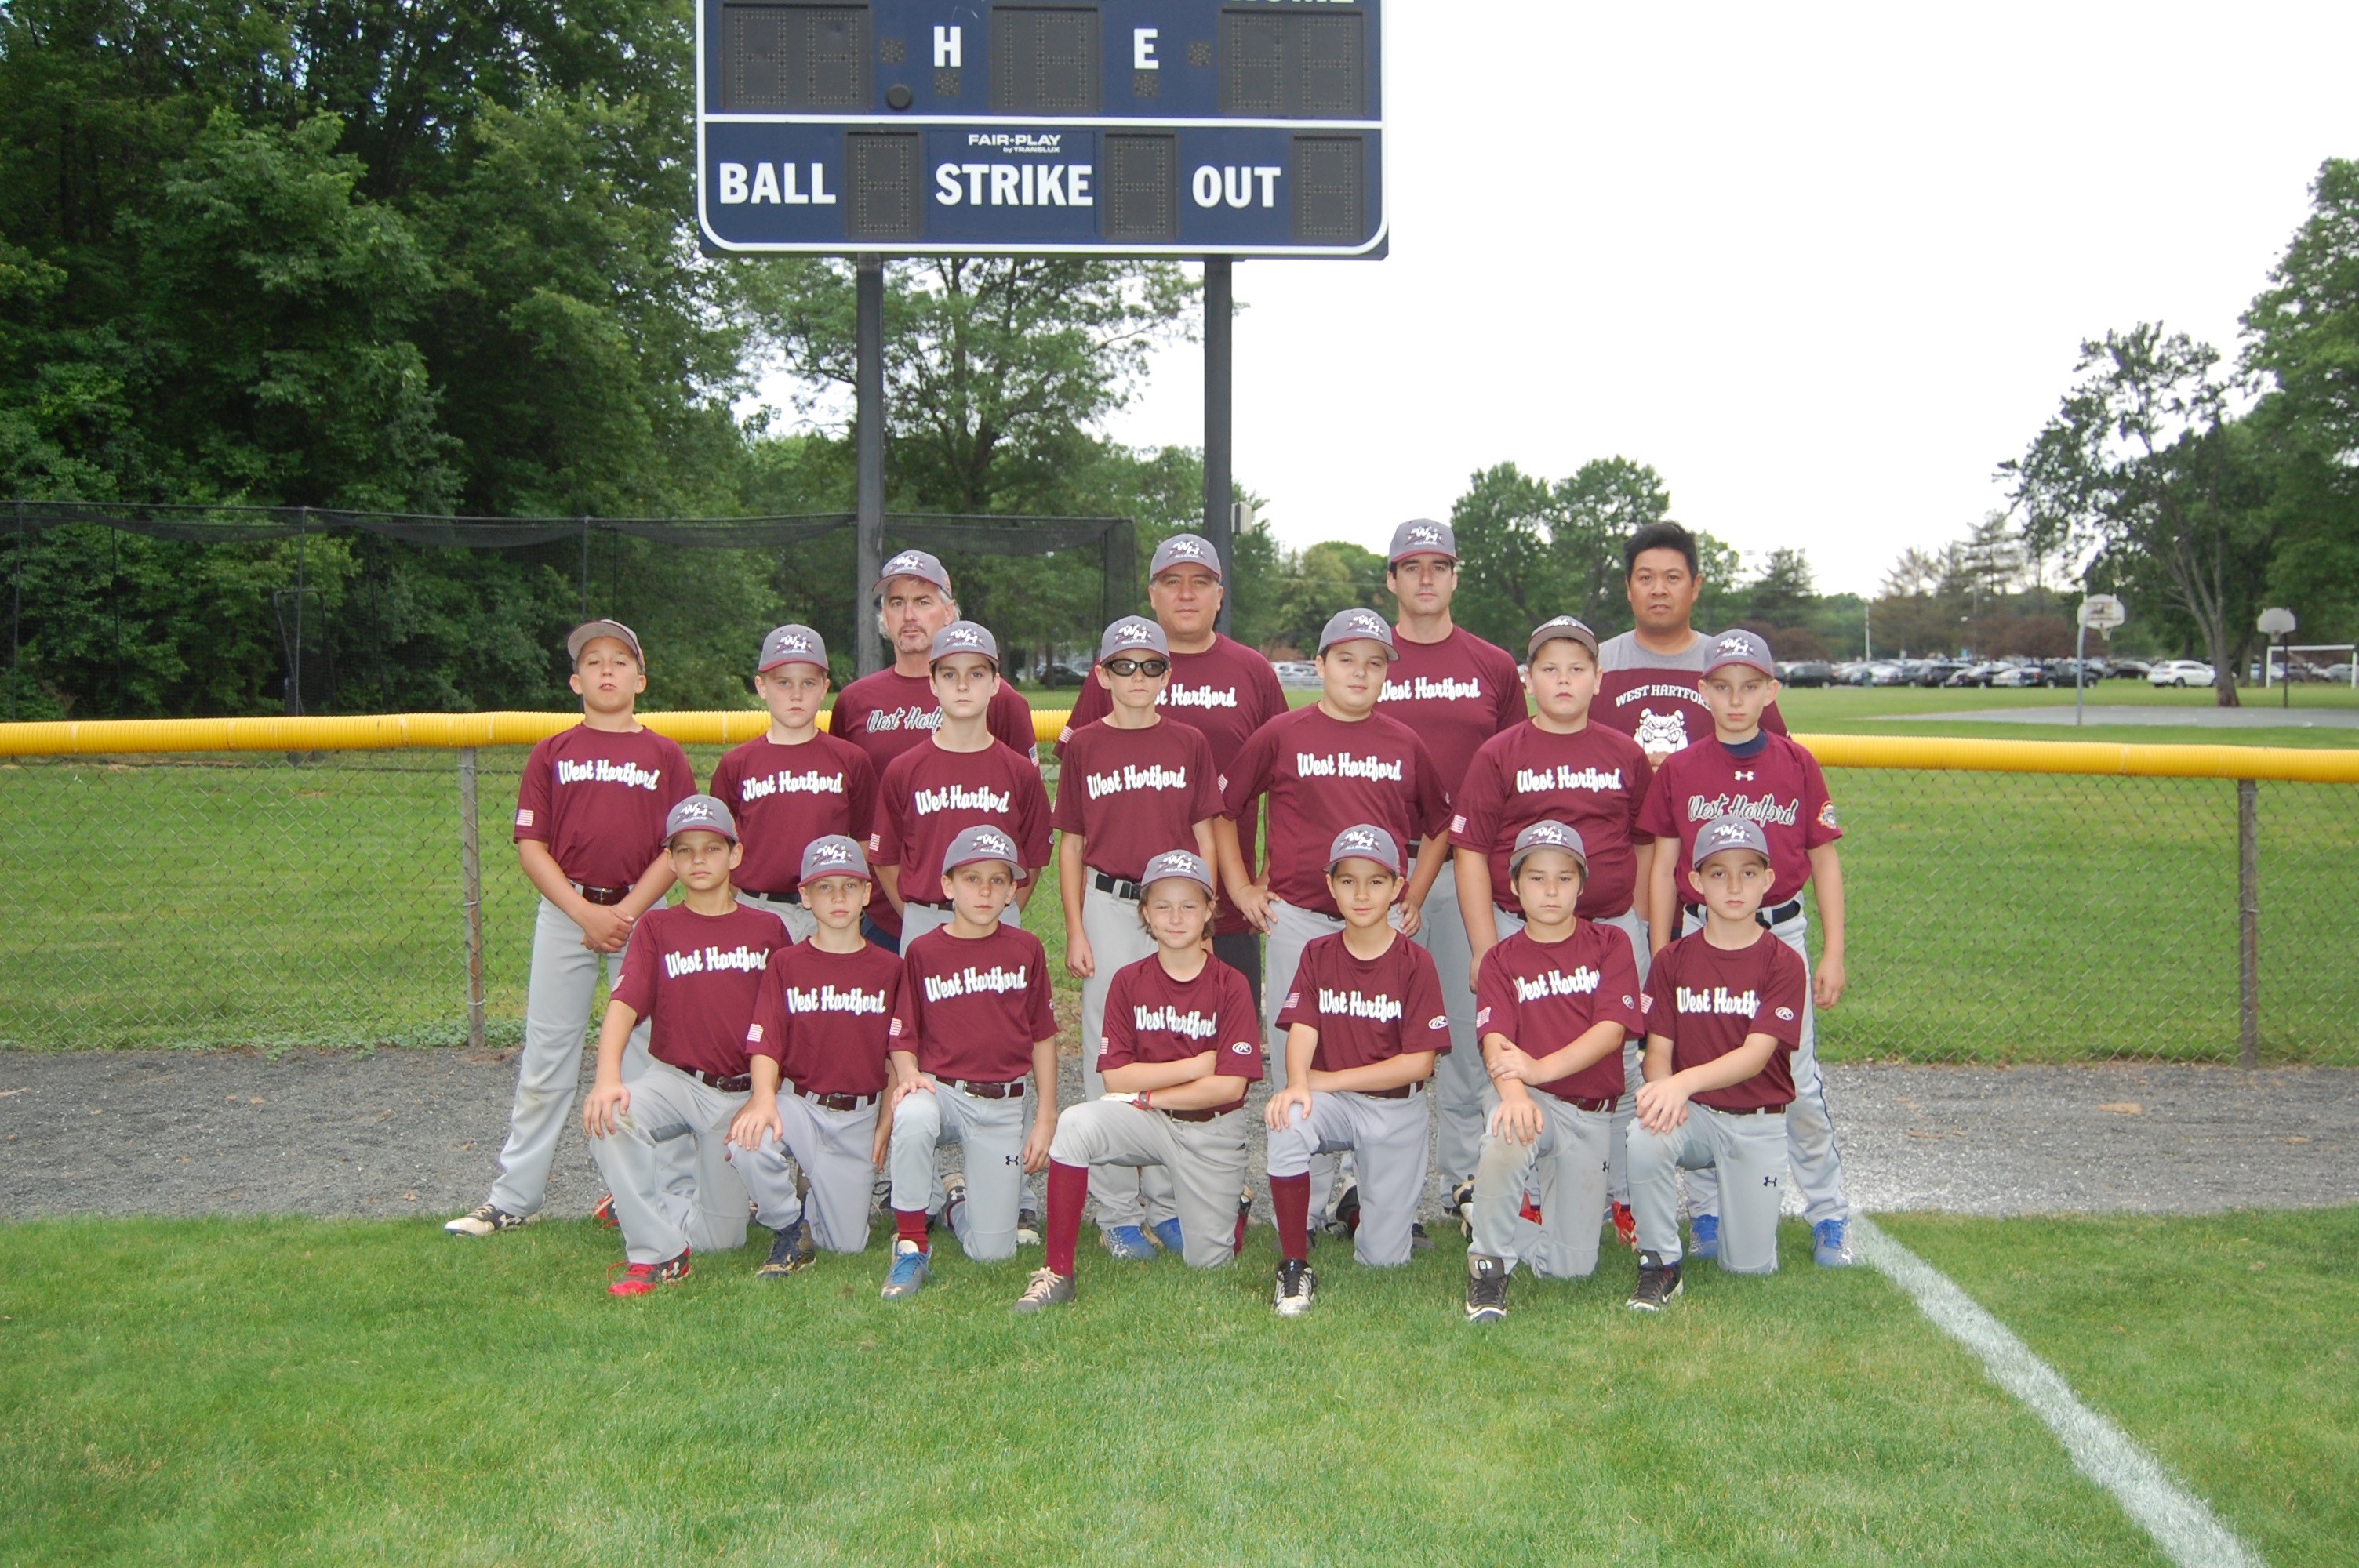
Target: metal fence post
{"points": [[470, 874], [2249, 910]]}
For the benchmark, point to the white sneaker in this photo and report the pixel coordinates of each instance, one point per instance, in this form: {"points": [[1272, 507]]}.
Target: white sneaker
{"points": [[488, 1220]]}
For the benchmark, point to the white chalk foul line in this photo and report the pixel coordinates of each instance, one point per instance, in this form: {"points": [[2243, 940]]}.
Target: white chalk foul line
{"points": [[2179, 1521]]}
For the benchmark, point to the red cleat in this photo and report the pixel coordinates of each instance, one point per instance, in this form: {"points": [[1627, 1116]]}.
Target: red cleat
{"points": [[1626, 1225], [641, 1279], [605, 1213], [1531, 1211]]}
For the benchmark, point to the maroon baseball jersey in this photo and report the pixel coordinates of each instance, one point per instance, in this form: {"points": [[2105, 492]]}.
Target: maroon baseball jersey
{"points": [[1542, 996], [1707, 1000], [1151, 1017], [1323, 775], [1594, 782], [696, 978], [1657, 700], [1133, 793], [1227, 692], [784, 796], [1779, 784], [929, 796], [1367, 1010], [828, 1019], [598, 799], [977, 1004], [1456, 694]]}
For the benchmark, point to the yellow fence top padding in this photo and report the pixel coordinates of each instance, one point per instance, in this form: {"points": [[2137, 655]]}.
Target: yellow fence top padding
{"points": [[391, 732]]}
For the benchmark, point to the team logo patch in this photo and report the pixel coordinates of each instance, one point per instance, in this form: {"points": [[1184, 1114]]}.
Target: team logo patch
{"points": [[1425, 535], [1243, 1047], [1546, 833], [1827, 814], [830, 854], [1728, 832], [905, 566], [1441, 1021], [1133, 632], [695, 811], [1366, 625], [1785, 1015], [1661, 732], [1356, 839], [1187, 549], [1625, 1001], [1735, 646], [524, 817], [966, 636], [992, 844]]}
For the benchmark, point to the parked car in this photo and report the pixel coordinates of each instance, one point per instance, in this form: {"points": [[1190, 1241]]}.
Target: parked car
{"points": [[2127, 669], [1057, 675], [1297, 674], [2020, 675], [2340, 672], [1809, 672], [1975, 674], [2181, 672], [2060, 672], [1937, 672]]}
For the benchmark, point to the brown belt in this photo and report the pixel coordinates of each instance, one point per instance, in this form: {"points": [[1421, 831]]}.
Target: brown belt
{"points": [[988, 1092], [607, 897], [1594, 1106], [926, 903], [836, 1102], [1200, 1115], [1401, 1093], [736, 1085], [1748, 1110]]}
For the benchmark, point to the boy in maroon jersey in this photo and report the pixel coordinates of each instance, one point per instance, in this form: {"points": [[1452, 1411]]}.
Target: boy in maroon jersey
{"points": [[829, 1013], [1365, 1024], [1134, 787], [795, 783], [1562, 767], [1728, 1001], [1183, 1044], [960, 776], [1556, 1000], [976, 991], [887, 713], [590, 836], [1219, 686], [693, 971], [1746, 773]]}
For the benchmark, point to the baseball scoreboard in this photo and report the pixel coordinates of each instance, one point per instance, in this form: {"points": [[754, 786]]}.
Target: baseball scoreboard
{"points": [[1124, 127]]}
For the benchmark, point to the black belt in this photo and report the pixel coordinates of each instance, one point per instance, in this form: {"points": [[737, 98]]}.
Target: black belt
{"points": [[1107, 882], [786, 897], [736, 1085], [1765, 918], [1594, 1106], [1200, 1115], [606, 897], [926, 903], [836, 1102], [988, 1092], [1749, 1110], [1401, 1093]]}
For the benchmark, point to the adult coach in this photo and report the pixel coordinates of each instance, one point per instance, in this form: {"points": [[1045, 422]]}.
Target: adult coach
{"points": [[1650, 677], [1220, 687], [1456, 691], [889, 712]]}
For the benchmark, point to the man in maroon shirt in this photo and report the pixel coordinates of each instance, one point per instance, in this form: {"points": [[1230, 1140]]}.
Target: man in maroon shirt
{"points": [[590, 837], [693, 970], [1457, 692], [1219, 686], [889, 712], [1650, 690], [796, 783]]}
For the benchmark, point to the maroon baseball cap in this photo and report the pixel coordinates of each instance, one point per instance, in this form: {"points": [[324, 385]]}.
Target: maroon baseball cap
{"points": [[582, 636]]}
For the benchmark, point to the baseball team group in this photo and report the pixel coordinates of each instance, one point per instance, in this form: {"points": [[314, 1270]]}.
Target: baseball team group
{"points": [[1532, 924]]}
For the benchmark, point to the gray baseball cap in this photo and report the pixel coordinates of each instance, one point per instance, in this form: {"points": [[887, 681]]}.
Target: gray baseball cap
{"points": [[1729, 833], [1548, 834], [964, 637], [582, 636], [835, 856], [1366, 842], [1422, 536], [1358, 626], [1133, 634], [1176, 863], [1740, 647], [1184, 550], [916, 564], [793, 645], [700, 814], [982, 844], [1572, 628]]}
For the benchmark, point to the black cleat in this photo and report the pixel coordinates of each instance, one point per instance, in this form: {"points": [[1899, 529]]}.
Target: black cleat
{"points": [[1657, 1282], [1486, 1289], [791, 1251], [1462, 1204]]}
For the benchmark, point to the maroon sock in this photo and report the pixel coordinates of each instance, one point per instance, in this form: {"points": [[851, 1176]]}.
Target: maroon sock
{"points": [[909, 1225], [1069, 1194], [1290, 1197]]}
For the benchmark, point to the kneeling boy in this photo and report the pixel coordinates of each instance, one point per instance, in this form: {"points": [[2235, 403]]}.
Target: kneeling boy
{"points": [[1726, 1018], [694, 970]]}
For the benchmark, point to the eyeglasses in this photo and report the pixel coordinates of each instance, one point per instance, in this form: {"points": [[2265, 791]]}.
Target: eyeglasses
{"points": [[1147, 667]]}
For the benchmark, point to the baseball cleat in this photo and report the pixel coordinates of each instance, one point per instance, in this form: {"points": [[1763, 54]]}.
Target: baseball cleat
{"points": [[1703, 1236], [488, 1220], [1027, 1228], [1462, 1204], [1418, 1241], [1626, 1225], [909, 1273], [603, 1213], [1166, 1236], [791, 1251], [1245, 1218], [954, 1200], [1530, 1213], [1127, 1242], [643, 1278], [1486, 1289], [1047, 1288], [1298, 1289], [1657, 1282], [1831, 1244], [1347, 1211]]}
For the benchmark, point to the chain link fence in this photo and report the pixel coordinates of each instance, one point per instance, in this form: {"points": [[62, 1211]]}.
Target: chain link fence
{"points": [[321, 899]]}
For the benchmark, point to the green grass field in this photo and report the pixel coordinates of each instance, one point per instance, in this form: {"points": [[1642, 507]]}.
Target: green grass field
{"points": [[296, 1391]]}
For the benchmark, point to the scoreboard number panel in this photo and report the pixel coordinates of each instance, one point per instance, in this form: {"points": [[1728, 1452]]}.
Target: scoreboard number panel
{"points": [[1117, 128]]}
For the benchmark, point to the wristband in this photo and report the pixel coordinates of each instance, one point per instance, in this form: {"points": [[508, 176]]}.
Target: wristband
{"points": [[1145, 1099]]}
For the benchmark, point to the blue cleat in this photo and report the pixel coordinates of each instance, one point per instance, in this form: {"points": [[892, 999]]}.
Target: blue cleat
{"points": [[1167, 1234], [1831, 1244], [1703, 1236], [910, 1271], [1128, 1243]]}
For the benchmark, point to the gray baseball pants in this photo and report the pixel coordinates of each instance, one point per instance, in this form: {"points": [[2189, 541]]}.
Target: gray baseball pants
{"points": [[668, 1108], [992, 1132], [1291, 930], [1202, 1162], [1749, 1150], [1460, 1086], [1810, 1126], [800, 922], [832, 1148], [1123, 1194], [1569, 1158], [1389, 1137]]}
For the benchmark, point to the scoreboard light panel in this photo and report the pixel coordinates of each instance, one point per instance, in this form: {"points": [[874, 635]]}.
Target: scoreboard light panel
{"points": [[1124, 127]]}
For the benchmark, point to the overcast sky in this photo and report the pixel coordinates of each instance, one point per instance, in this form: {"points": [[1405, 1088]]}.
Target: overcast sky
{"points": [[1822, 266]]}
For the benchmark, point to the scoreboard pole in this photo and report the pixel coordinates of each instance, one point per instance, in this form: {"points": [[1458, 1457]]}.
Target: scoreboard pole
{"points": [[868, 420], [1219, 363]]}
